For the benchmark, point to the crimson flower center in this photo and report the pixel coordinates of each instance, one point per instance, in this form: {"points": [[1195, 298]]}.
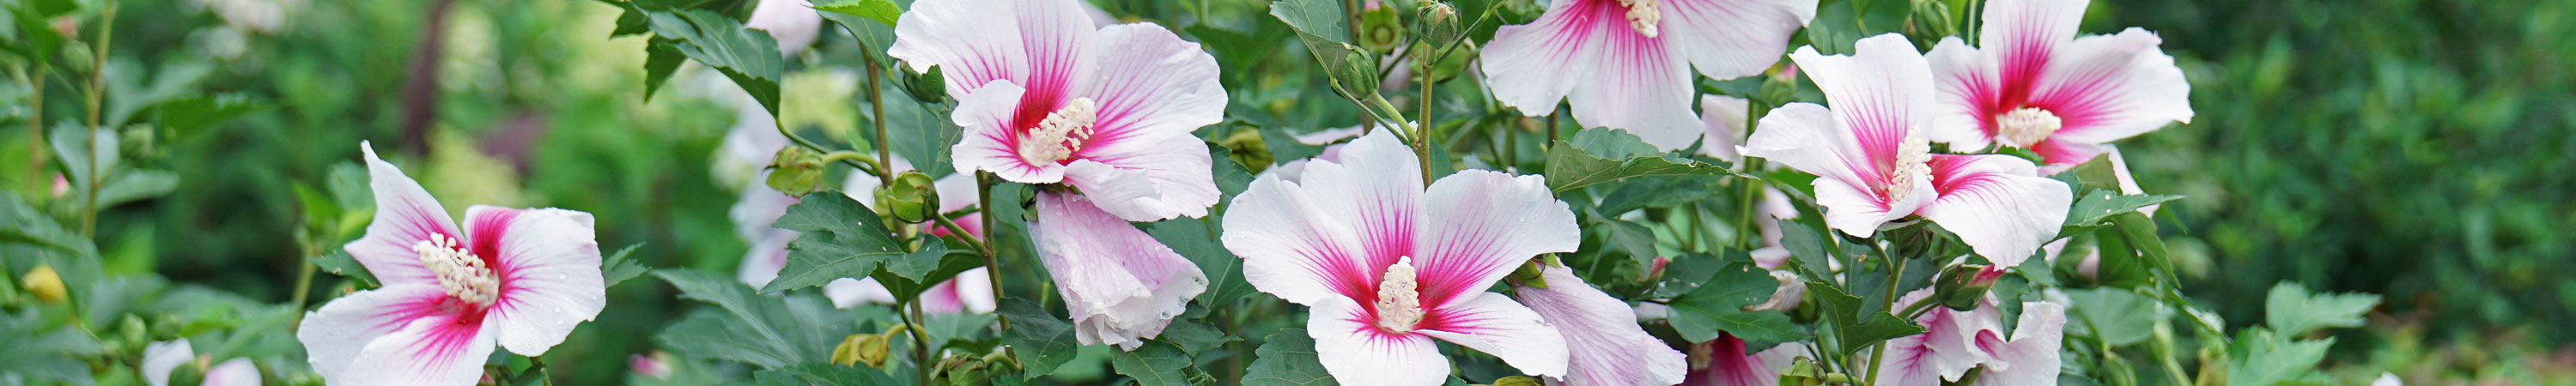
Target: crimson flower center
{"points": [[1399, 301], [1061, 134], [465, 276], [2026, 127]]}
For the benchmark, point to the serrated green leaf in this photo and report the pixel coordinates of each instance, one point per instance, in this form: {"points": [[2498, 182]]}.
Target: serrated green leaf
{"points": [[2262, 358], [340, 263], [25, 224], [881, 11], [1287, 358], [2116, 316], [2292, 311], [1718, 305], [1853, 328], [1041, 341], [1195, 239], [1325, 29], [662, 57], [2093, 208], [933, 264], [620, 266], [38, 352], [840, 239], [1194, 337], [1597, 156], [766, 331], [1153, 364], [748, 56]]}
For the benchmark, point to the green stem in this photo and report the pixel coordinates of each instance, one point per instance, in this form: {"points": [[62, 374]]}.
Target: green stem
{"points": [[1878, 352], [861, 161], [992, 263], [1422, 120], [97, 94], [876, 120], [545, 374], [303, 289], [920, 345]]}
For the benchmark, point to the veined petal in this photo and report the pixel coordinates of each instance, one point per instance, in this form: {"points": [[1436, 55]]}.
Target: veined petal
{"points": [[1875, 94], [1909, 362], [1152, 87], [1292, 245], [1722, 362], [1604, 343], [235, 372], [1968, 92], [161, 357], [2032, 354], [1032, 43], [1809, 138], [548, 260], [1998, 204], [988, 115], [435, 349], [2110, 87], [1354, 350], [334, 334], [1494, 324], [1723, 119], [1479, 225], [2023, 35], [1141, 181], [1533, 66], [1641, 85], [1376, 191], [405, 216], [1952, 335], [1734, 38], [1120, 284]]}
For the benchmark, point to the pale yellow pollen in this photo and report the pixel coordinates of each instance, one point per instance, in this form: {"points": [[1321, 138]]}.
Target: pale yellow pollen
{"points": [[464, 275], [1399, 303], [2025, 127], [1913, 158], [1643, 15], [1061, 133]]}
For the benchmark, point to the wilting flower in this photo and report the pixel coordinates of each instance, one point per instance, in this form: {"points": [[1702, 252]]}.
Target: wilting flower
{"points": [[2035, 85], [1603, 341], [1957, 341], [792, 23], [1627, 64], [1722, 362], [517, 278], [1874, 166], [1388, 264], [159, 358], [1106, 111]]}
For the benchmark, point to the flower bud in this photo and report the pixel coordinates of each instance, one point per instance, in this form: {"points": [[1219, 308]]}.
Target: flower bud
{"points": [[44, 284], [1380, 31], [1439, 22], [910, 199], [1960, 287], [861, 348], [1245, 147], [796, 171], [191, 373]]}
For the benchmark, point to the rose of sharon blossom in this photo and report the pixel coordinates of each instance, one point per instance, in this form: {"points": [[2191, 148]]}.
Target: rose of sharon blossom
{"points": [[1626, 64], [2035, 85], [1389, 265], [514, 278]]}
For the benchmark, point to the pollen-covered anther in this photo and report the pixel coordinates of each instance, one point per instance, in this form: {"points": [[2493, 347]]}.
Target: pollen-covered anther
{"points": [[1062, 133], [464, 275], [1913, 158], [1644, 15], [2027, 126], [1399, 302]]}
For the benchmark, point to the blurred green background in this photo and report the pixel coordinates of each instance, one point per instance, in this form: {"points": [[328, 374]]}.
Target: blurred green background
{"points": [[2414, 149]]}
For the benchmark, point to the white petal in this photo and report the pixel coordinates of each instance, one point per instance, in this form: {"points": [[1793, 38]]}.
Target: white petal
{"points": [[761, 263], [1734, 38], [1998, 204], [2033, 351], [1496, 325], [846, 292], [1909, 362], [1479, 225], [2023, 35], [235, 372], [1147, 181], [1533, 66], [1640, 85], [793, 23], [1723, 118], [1809, 138], [2107, 88], [975, 289], [1875, 94], [161, 357], [430, 350], [1293, 246], [1354, 351], [1121, 285], [759, 207], [1966, 95], [1031, 43], [405, 215], [2128, 183], [1603, 340], [2388, 379], [548, 260], [1152, 87], [334, 334], [991, 143]]}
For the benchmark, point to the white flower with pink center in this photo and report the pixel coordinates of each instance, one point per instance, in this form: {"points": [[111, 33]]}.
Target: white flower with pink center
{"points": [[2035, 85], [516, 278], [1873, 164], [1957, 341], [1626, 64], [1603, 341], [1102, 118], [1389, 265]]}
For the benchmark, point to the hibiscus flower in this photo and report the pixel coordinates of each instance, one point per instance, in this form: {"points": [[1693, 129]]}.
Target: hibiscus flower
{"points": [[2035, 85], [1626, 64]]}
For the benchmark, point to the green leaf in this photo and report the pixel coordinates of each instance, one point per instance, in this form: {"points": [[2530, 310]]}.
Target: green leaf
{"points": [[1597, 156], [1325, 29], [662, 57], [909, 274], [2116, 316], [85, 156], [1196, 239], [821, 374], [1153, 364], [135, 185], [1854, 330], [1194, 337], [1322, 18], [618, 267], [2098, 206], [2261, 358], [1041, 341], [340, 263], [23, 224], [1287, 359], [1808, 247], [1718, 305], [840, 239], [1688, 272], [766, 331], [37, 353], [1634, 238], [1667, 192], [194, 114], [881, 11], [2292, 311], [748, 56]]}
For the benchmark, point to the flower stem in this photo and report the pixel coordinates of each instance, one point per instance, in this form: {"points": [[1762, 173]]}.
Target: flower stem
{"points": [[97, 93], [1895, 273], [992, 266], [877, 120], [872, 167], [920, 345]]}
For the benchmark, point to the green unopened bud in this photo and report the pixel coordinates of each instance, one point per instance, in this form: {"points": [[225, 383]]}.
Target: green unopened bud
{"points": [[1439, 22], [965, 371], [191, 373], [911, 198], [132, 330], [926, 86], [43, 284], [1932, 21], [796, 171], [1528, 276], [1245, 147], [1380, 30], [1960, 287], [1517, 380], [861, 348]]}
